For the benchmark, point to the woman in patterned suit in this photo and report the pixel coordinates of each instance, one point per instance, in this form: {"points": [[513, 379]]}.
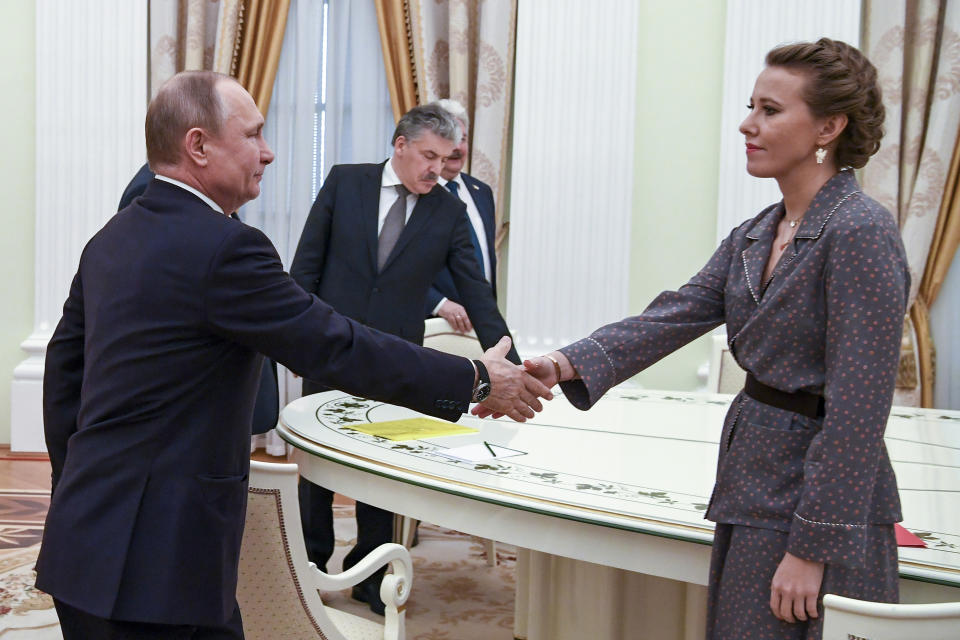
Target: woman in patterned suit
{"points": [[813, 293]]}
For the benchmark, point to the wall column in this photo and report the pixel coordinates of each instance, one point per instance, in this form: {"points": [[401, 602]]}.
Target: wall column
{"points": [[91, 100]]}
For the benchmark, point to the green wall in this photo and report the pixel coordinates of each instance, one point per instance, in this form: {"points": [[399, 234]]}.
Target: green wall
{"points": [[679, 91], [17, 171]]}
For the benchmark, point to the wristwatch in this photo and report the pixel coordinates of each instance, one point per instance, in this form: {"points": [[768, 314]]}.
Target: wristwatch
{"points": [[482, 390]]}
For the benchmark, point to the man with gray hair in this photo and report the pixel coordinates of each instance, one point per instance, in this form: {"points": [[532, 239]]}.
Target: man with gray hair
{"points": [[374, 240], [443, 299], [149, 380]]}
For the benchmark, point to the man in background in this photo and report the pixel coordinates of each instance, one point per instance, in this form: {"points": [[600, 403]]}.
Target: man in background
{"points": [[150, 376], [375, 239], [443, 299]]}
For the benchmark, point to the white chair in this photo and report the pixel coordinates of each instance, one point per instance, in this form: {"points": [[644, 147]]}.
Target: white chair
{"points": [[278, 587], [725, 375], [849, 619], [439, 335]]}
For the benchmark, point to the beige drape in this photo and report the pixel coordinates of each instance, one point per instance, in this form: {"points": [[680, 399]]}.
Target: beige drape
{"points": [[464, 49], [393, 21], [261, 39], [242, 38], [460, 49], [915, 45], [946, 239], [191, 34]]}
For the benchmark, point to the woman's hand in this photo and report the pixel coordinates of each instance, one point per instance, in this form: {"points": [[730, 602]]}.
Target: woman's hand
{"points": [[795, 589], [543, 370]]}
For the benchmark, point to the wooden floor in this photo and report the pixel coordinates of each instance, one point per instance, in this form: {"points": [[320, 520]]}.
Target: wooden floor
{"points": [[24, 471], [31, 471], [25, 496]]}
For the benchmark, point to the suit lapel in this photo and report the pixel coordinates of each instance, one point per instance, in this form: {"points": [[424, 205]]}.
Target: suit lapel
{"points": [[426, 205], [369, 193], [754, 258]]}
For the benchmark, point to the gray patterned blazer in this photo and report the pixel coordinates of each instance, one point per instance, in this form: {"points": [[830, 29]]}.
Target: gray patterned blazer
{"points": [[828, 321]]}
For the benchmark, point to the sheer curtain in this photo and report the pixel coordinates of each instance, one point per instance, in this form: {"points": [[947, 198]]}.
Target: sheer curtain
{"points": [[330, 105], [943, 320]]}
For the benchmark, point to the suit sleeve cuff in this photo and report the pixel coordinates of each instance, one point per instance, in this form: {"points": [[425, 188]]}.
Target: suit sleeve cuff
{"points": [[595, 369], [827, 542], [436, 309]]}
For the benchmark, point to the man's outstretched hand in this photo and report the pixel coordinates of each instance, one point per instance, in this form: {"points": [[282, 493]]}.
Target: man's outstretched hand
{"points": [[513, 392]]}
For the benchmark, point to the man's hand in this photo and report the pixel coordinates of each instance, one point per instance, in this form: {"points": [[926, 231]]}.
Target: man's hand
{"points": [[513, 392], [795, 588], [541, 368], [456, 315]]}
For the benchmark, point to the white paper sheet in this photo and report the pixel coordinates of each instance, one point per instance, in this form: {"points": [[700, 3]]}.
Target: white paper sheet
{"points": [[480, 452]]}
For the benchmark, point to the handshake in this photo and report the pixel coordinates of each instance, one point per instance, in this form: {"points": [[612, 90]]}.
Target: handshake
{"points": [[515, 390]]}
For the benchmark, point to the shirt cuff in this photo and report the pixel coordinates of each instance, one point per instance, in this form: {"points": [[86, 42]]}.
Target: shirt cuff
{"points": [[436, 309]]}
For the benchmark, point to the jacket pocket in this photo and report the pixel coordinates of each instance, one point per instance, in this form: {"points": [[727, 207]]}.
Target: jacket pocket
{"points": [[224, 494], [762, 475]]}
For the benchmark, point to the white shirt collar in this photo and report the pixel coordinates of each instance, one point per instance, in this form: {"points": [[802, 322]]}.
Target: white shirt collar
{"points": [[389, 178], [210, 203]]}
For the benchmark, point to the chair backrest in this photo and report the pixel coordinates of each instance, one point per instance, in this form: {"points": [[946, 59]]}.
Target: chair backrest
{"points": [[439, 335], [273, 562], [725, 375], [849, 619]]}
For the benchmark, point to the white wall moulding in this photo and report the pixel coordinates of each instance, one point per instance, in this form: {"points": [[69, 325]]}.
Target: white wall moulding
{"points": [[91, 96], [572, 169], [753, 28]]}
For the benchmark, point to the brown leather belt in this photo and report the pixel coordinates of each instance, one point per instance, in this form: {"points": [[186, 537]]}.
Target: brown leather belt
{"points": [[802, 402]]}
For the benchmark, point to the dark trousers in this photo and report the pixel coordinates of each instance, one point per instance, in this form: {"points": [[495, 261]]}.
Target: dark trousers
{"points": [[374, 527], [80, 625]]}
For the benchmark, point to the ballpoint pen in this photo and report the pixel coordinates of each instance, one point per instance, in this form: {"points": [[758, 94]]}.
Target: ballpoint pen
{"points": [[489, 448]]}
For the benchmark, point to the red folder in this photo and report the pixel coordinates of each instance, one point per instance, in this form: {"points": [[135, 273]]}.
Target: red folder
{"points": [[907, 539]]}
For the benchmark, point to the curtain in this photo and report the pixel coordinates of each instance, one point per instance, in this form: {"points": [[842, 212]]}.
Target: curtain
{"points": [[394, 26], [915, 45], [261, 39], [358, 101], [241, 38], [317, 120], [464, 49], [943, 274], [192, 34]]}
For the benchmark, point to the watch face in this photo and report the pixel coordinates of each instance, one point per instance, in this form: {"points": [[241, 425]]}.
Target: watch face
{"points": [[483, 390]]}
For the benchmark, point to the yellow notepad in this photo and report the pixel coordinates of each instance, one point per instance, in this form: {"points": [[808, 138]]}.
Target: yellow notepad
{"points": [[411, 429]]}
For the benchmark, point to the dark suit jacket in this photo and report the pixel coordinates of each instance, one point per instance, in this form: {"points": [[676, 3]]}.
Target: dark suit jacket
{"points": [[266, 409], [337, 257], [443, 286], [149, 388]]}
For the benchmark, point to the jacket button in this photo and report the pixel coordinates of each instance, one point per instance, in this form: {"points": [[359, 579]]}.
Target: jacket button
{"points": [[376, 289]]}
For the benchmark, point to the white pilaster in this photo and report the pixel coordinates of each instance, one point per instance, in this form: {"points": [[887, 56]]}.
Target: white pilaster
{"points": [[753, 28], [572, 169], [91, 100]]}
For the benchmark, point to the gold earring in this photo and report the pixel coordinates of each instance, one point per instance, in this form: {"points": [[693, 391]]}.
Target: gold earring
{"points": [[821, 154]]}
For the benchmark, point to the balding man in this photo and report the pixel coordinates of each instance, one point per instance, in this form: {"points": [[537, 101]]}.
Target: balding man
{"points": [[150, 379]]}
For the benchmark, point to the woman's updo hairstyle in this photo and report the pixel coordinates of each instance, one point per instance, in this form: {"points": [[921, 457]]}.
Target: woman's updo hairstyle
{"points": [[840, 80]]}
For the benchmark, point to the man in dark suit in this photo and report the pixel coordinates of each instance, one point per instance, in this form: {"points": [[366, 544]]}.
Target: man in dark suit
{"points": [[266, 409], [150, 377], [375, 238], [443, 299]]}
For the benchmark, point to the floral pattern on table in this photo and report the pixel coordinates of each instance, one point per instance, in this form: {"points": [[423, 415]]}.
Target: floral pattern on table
{"points": [[342, 412]]}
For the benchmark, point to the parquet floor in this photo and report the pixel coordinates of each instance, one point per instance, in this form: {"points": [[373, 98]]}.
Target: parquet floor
{"points": [[25, 496]]}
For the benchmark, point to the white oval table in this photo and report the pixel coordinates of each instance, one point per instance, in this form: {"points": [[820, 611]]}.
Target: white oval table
{"points": [[624, 486]]}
